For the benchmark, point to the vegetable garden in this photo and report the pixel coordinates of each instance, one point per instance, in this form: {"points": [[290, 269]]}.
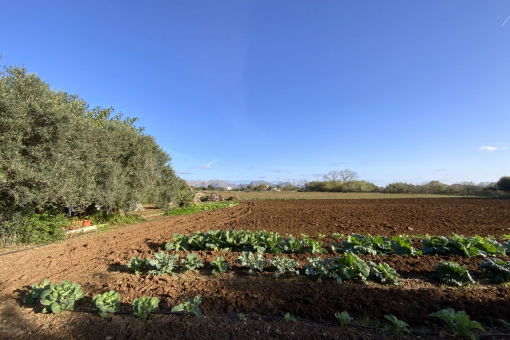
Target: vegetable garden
{"points": [[309, 274]]}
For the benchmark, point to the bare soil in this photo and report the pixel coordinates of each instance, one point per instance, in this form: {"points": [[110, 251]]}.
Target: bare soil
{"points": [[96, 262]]}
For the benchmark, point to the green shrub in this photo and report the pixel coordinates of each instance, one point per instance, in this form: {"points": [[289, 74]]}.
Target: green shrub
{"points": [[43, 228]]}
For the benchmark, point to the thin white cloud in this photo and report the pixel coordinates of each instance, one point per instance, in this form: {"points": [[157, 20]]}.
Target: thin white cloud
{"points": [[505, 21], [488, 148], [208, 166], [183, 173], [280, 170]]}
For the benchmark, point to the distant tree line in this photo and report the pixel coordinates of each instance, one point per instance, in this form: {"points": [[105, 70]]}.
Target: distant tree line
{"points": [[347, 181], [55, 152]]}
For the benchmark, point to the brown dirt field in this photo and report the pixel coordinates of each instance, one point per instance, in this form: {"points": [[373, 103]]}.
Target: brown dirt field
{"points": [[96, 262]]}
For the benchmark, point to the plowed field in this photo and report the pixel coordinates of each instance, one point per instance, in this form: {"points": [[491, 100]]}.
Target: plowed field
{"points": [[96, 262]]}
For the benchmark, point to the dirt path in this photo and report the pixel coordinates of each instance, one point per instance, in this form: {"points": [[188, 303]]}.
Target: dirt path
{"points": [[96, 262]]}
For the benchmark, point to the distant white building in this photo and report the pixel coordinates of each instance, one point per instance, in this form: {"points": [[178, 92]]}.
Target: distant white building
{"points": [[229, 188]]}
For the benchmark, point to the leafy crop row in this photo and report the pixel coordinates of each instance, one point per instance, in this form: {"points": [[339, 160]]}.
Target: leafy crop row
{"points": [[164, 263], [273, 243], [463, 246], [376, 245], [245, 240], [339, 268], [60, 297]]}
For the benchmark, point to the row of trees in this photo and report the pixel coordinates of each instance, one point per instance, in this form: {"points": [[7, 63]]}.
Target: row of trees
{"points": [[57, 152], [347, 181]]}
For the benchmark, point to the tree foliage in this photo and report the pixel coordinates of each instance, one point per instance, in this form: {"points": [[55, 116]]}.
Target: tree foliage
{"points": [[56, 151], [504, 183]]}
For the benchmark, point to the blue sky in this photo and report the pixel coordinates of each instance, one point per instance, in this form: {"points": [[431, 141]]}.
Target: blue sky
{"points": [[248, 90]]}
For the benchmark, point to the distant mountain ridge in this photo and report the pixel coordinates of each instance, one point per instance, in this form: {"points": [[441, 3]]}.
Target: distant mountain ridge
{"points": [[218, 183]]}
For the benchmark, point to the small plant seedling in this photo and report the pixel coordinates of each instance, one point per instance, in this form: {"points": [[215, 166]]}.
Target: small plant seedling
{"points": [[162, 263], [397, 325], [191, 262], [344, 318], [249, 260], [135, 264], [190, 306], [505, 324], [35, 292], [289, 318], [458, 322], [143, 307], [107, 303], [338, 236], [241, 316], [60, 297], [220, 266], [321, 236]]}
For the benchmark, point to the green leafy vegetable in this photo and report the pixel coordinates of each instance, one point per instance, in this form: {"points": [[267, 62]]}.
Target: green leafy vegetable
{"points": [[190, 307], [496, 270], [162, 263], [107, 302], [340, 268], [384, 272], [453, 274], [289, 318], [145, 306], [191, 262], [284, 265], [397, 325], [220, 266], [463, 246], [60, 297], [35, 292], [402, 245], [180, 243], [249, 260], [135, 264], [505, 324], [458, 322], [344, 318]]}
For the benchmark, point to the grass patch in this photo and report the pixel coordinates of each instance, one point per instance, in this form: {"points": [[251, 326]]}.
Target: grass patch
{"points": [[114, 218], [205, 206]]}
